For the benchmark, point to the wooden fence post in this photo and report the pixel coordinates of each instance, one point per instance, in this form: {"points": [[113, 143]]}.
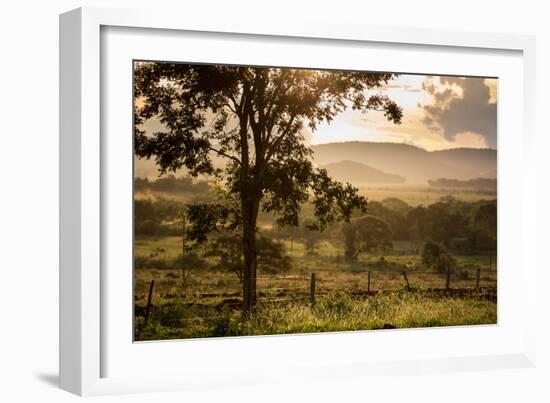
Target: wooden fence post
{"points": [[477, 278], [406, 279], [312, 290], [368, 283], [149, 302], [448, 282]]}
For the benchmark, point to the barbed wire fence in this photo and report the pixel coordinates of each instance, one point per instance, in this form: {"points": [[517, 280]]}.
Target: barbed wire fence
{"points": [[309, 288]]}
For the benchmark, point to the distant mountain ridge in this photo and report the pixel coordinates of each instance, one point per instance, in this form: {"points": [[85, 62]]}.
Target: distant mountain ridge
{"points": [[402, 161], [360, 174], [414, 164]]}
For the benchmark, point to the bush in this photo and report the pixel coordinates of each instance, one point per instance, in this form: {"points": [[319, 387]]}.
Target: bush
{"points": [[271, 255], [460, 245], [434, 255]]}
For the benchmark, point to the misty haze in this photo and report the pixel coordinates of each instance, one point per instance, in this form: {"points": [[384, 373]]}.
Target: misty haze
{"points": [[276, 200]]}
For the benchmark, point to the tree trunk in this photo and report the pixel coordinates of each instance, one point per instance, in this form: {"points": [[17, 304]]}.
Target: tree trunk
{"points": [[249, 208]]}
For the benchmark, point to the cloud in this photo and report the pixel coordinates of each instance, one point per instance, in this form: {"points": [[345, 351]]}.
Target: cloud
{"points": [[471, 140], [461, 105]]}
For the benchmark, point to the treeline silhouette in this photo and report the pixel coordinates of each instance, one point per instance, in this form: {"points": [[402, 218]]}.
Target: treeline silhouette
{"points": [[462, 227], [478, 183], [172, 184]]}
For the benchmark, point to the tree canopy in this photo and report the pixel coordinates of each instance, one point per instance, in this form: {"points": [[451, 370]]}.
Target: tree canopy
{"points": [[255, 121], [436, 256], [366, 234], [228, 248], [254, 118]]}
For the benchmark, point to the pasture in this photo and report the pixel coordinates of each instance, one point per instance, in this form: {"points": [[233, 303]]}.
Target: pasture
{"points": [[208, 303], [423, 195]]}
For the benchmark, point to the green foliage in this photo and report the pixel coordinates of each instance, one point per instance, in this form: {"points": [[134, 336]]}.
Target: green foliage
{"points": [[401, 309], [209, 305], [190, 261], [392, 211], [416, 221], [259, 116], [171, 184], [366, 234], [482, 241], [228, 249], [431, 253], [271, 107], [310, 236], [159, 217], [272, 258], [152, 262], [486, 218], [384, 264], [436, 256], [459, 226], [484, 235], [206, 218], [397, 205], [444, 222], [460, 245], [154, 218]]}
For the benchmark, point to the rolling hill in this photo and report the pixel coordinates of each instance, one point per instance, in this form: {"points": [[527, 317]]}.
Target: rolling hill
{"points": [[363, 162], [414, 164], [360, 174]]}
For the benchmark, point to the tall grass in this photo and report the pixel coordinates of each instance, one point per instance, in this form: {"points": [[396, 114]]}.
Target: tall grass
{"points": [[400, 309]]}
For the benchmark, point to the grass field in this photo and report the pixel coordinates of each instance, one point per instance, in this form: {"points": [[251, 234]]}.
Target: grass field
{"points": [[423, 195], [412, 195], [209, 303], [399, 309]]}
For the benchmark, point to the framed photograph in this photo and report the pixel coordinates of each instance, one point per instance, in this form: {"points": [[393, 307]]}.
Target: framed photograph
{"points": [[242, 198]]}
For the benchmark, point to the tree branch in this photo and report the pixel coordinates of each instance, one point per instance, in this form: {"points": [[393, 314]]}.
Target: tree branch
{"points": [[223, 154], [278, 140], [276, 98]]}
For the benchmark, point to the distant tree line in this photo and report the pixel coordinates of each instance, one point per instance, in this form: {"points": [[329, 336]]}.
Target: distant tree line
{"points": [[439, 231], [454, 226], [253, 118], [461, 227], [156, 217], [478, 183], [172, 184]]}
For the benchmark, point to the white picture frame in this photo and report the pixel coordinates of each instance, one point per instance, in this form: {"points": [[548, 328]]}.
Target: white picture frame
{"points": [[85, 344]]}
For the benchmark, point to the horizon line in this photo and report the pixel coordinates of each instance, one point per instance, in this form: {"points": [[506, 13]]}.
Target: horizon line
{"points": [[402, 143]]}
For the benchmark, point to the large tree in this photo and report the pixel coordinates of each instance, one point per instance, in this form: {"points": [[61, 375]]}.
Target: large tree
{"points": [[254, 118], [366, 234]]}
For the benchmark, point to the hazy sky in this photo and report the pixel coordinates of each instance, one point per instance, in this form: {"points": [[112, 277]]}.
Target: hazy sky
{"points": [[439, 112]]}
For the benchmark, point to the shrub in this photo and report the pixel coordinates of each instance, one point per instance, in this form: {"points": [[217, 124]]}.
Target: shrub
{"points": [[271, 255], [435, 255], [462, 274]]}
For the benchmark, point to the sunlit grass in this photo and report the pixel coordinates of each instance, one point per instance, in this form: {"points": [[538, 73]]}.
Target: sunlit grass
{"points": [[400, 309], [208, 304], [415, 196]]}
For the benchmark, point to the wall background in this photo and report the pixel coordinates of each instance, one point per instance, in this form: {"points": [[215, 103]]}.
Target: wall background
{"points": [[29, 197]]}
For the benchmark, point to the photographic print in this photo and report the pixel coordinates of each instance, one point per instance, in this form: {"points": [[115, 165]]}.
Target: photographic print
{"points": [[275, 200]]}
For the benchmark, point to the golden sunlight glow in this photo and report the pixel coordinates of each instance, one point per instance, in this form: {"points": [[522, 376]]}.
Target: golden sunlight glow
{"points": [[411, 92]]}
